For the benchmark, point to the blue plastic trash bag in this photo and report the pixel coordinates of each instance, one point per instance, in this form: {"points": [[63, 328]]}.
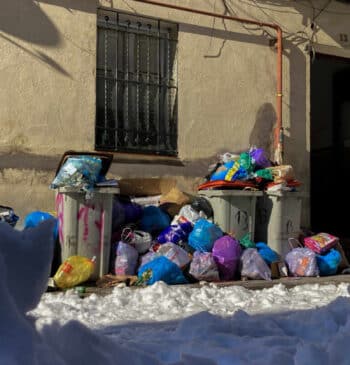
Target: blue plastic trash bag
{"points": [[81, 172], [241, 174], [161, 269], [175, 233], [34, 218], [267, 253], [221, 171], [204, 235], [329, 262], [7, 215], [154, 219]]}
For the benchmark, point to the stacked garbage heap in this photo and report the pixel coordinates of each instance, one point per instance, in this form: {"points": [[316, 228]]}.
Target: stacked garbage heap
{"points": [[175, 238], [191, 246], [249, 170], [186, 248]]}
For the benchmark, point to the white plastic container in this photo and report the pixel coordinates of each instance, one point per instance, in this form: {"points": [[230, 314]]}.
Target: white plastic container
{"points": [[278, 217], [85, 224], [234, 210]]}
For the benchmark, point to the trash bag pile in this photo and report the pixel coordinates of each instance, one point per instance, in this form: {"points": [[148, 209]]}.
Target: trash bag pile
{"points": [[250, 169], [173, 237], [188, 247], [176, 242], [318, 255]]}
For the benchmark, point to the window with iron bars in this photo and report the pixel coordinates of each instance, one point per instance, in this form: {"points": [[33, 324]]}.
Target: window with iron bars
{"points": [[136, 84]]}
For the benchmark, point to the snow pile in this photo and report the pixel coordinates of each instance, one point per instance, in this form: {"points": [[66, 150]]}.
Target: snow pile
{"points": [[25, 260], [160, 324]]}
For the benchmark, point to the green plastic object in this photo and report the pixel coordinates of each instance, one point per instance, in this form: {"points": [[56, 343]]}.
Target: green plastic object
{"points": [[264, 173], [246, 241], [245, 161]]}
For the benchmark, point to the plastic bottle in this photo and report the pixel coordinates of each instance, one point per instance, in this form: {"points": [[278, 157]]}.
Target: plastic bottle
{"points": [[73, 271]]}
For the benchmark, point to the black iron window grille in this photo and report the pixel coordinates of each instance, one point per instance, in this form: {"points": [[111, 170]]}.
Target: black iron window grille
{"points": [[136, 84]]}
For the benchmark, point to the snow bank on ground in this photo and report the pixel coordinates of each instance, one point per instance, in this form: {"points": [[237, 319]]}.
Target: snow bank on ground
{"points": [[160, 324]]}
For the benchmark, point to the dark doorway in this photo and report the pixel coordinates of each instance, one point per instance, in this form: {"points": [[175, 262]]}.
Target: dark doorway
{"points": [[330, 145]]}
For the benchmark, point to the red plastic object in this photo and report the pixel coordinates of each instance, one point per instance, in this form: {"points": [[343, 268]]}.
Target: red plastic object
{"points": [[222, 184]]}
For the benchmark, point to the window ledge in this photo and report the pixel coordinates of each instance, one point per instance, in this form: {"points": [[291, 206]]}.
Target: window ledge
{"points": [[139, 158]]}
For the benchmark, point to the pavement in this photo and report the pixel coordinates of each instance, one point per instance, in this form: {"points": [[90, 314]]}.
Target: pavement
{"points": [[288, 282]]}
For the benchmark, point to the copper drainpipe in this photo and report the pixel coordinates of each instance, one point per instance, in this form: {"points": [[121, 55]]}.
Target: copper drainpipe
{"points": [[278, 133]]}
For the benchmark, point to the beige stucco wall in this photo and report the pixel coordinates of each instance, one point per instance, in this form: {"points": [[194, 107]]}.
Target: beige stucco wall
{"points": [[226, 83]]}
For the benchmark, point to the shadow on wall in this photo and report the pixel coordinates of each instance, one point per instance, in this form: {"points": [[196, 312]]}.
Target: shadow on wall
{"points": [[262, 133], [27, 21]]}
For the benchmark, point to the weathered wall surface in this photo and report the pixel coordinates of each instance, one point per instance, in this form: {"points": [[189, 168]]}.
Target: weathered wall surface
{"points": [[226, 83]]}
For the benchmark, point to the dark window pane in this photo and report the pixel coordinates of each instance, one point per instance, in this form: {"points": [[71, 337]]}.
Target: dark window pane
{"points": [[136, 87]]}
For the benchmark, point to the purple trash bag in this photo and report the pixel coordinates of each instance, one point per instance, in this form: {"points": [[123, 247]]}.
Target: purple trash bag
{"points": [[175, 233], [254, 266], [226, 254], [132, 211], [118, 215], [259, 158]]}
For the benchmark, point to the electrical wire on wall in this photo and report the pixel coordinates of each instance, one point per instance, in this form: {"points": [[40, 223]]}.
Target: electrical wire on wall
{"points": [[296, 37], [313, 26]]}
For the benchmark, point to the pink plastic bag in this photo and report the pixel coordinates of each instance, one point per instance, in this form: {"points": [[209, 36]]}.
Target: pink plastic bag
{"points": [[321, 242]]}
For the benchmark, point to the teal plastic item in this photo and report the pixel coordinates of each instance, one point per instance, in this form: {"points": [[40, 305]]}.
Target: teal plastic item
{"points": [[204, 235], [329, 262], [161, 269], [264, 173], [246, 242], [245, 162]]}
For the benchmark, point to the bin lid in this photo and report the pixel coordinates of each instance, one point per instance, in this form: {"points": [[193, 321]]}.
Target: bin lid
{"points": [[105, 157], [288, 194], [99, 190]]}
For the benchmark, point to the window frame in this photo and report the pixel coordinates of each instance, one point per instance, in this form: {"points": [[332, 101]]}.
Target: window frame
{"points": [[165, 87]]}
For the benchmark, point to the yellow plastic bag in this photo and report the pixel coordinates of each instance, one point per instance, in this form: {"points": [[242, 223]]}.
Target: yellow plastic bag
{"points": [[73, 271]]}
